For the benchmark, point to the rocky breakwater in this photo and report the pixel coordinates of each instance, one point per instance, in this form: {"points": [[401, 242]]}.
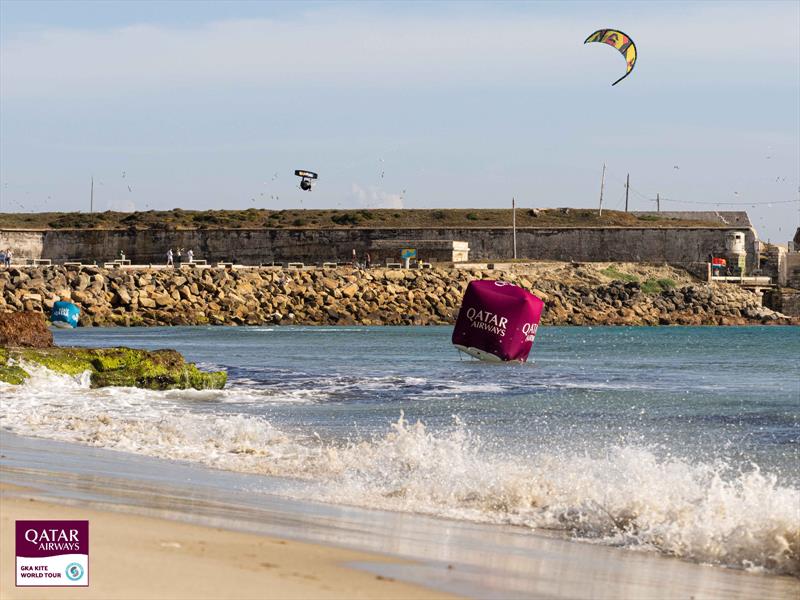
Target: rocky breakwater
{"points": [[250, 296], [26, 341]]}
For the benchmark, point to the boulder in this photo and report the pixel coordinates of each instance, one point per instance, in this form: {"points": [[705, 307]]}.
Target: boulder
{"points": [[156, 370], [25, 329]]}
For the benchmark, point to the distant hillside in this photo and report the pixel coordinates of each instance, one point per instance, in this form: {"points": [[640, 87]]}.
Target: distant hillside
{"points": [[254, 218]]}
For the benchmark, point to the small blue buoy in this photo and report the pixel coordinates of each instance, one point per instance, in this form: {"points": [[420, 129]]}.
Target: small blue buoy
{"points": [[65, 314]]}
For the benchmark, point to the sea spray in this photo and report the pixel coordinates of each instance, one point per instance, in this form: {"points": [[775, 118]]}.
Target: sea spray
{"points": [[625, 495]]}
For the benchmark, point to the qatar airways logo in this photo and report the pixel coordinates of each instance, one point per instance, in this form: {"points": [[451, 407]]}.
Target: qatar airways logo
{"points": [[497, 325], [487, 321], [529, 331], [54, 539], [52, 553]]}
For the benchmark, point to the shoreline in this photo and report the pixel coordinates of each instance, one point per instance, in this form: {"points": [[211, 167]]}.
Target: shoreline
{"points": [[231, 511], [133, 556]]}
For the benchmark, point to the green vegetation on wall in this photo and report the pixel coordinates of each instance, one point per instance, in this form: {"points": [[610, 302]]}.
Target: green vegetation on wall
{"points": [[255, 218]]}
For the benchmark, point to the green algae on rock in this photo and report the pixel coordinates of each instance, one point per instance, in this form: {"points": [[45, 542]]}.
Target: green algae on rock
{"points": [[156, 370]]}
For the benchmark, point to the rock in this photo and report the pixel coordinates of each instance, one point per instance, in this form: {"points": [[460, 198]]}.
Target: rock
{"points": [[394, 275], [350, 290], [84, 298], [162, 300], [81, 282], [25, 329], [199, 297], [122, 296], [156, 370]]}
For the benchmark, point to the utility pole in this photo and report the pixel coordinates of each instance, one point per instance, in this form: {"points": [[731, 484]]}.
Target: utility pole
{"points": [[658, 203], [514, 224], [602, 184], [627, 187], [91, 197]]}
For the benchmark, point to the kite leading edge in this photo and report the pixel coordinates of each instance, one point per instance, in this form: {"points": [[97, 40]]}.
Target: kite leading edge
{"points": [[620, 41]]}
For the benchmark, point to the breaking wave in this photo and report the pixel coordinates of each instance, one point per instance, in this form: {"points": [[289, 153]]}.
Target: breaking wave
{"points": [[626, 496]]}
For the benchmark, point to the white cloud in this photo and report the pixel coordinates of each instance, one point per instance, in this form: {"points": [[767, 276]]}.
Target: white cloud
{"points": [[340, 48], [372, 197], [121, 205]]}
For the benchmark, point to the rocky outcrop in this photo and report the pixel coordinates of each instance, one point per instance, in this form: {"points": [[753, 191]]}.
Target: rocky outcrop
{"points": [[155, 370], [25, 329], [253, 296], [26, 339]]}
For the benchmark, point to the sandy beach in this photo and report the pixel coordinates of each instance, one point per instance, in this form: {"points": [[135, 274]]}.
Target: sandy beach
{"points": [[141, 557], [165, 529]]}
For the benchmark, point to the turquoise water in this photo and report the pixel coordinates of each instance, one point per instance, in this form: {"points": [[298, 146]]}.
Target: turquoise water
{"points": [[700, 393], [679, 440]]}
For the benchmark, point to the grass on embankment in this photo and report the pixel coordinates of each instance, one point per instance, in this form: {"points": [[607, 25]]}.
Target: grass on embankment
{"points": [[255, 218], [651, 285]]}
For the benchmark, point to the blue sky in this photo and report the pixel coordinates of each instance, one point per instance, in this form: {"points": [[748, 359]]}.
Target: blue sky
{"points": [[214, 104]]}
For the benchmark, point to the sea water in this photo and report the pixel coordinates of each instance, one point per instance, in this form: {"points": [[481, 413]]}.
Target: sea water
{"points": [[683, 441]]}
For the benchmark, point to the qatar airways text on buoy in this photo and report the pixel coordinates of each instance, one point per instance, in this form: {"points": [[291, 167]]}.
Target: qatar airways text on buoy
{"points": [[65, 314], [497, 321]]}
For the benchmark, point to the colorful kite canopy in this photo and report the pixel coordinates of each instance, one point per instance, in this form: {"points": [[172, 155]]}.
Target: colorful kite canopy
{"points": [[621, 42]]}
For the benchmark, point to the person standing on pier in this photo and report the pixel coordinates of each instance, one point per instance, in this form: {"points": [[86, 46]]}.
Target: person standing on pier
{"points": [[169, 258]]}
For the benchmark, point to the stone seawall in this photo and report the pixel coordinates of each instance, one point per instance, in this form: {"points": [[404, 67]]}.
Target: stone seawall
{"points": [[282, 245], [785, 300], [572, 295]]}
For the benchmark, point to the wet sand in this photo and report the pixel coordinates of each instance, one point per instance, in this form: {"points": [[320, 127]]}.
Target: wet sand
{"points": [[141, 557], [174, 530]]}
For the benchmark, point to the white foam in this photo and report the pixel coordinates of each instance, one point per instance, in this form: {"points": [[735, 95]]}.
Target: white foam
{"points": [[627, 496], [457, 387]]}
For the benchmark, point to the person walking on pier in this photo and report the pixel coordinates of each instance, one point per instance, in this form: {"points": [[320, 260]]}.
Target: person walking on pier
{"points": [[169, 258], [9, 256], [190, 256]]}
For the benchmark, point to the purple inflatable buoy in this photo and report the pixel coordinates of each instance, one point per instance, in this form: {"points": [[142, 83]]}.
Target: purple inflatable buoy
{"points": [[497, 321]]}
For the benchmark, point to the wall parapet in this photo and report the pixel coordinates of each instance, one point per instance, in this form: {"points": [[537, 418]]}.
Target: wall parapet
{"points": [[678, 245]]}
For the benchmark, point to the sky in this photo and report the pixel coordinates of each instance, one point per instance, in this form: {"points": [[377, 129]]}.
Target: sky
{"points": [[213, 105]]}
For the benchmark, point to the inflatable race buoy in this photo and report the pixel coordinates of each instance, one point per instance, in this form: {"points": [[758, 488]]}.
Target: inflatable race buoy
{"points": [[65, 314], [497, 321]]}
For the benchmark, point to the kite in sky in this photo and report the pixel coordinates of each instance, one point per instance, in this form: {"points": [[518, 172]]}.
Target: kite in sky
{"points": [[621, 42]]}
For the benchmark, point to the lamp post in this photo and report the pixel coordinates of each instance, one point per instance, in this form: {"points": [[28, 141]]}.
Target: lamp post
{"points": [[514, 224]]}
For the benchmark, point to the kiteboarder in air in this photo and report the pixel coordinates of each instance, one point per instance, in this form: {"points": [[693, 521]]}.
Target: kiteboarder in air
{"points": [[306, 179]]}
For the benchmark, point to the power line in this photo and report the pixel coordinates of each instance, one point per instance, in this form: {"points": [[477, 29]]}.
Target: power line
{"points": [[701, 202], [713, 203]]}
